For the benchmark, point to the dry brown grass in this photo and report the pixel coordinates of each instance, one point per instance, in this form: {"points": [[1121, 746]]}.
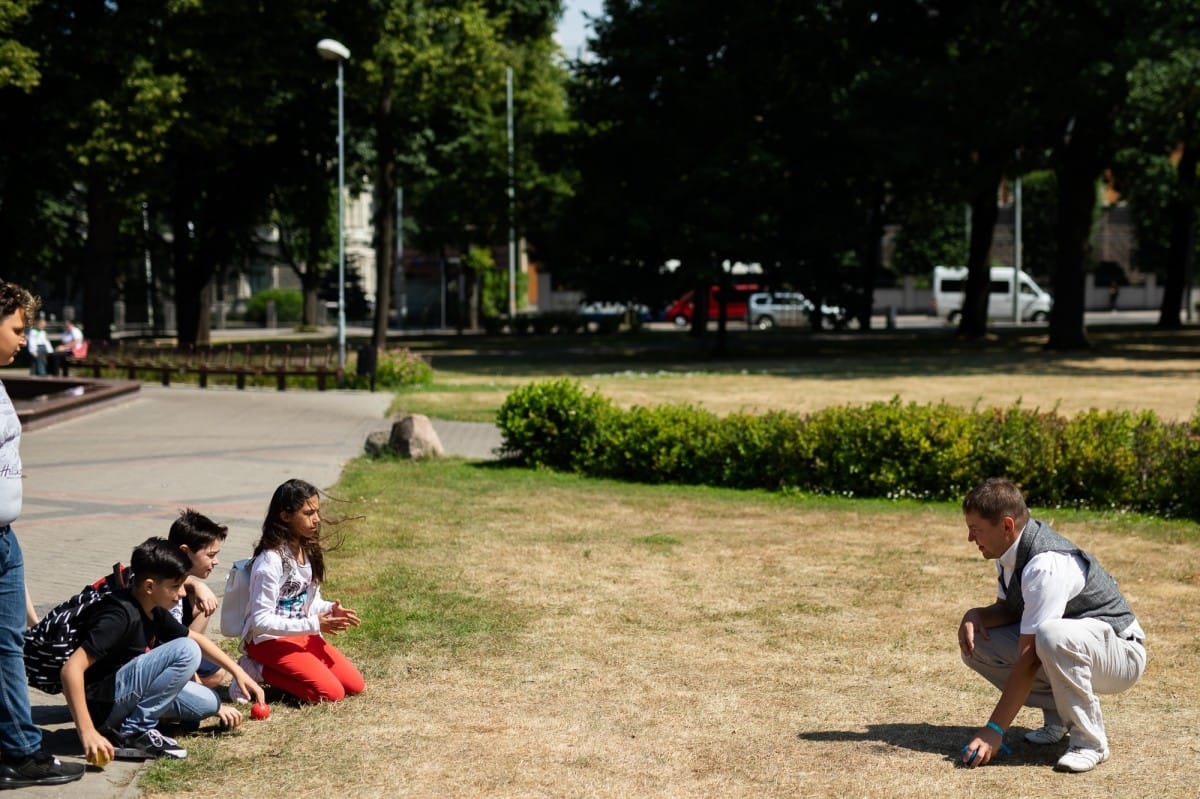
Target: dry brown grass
{"points": [[692, 643], [662, 642], [1128, 380]]}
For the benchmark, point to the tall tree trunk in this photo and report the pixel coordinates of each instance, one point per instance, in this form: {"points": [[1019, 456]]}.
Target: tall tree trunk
{"points": [[460, 296], [385, 259], [185, 262], [310, 285], [699, 299], [310, 277], [187, 301], [385, 209], [1076, 172], [204, 304], [473, 291], [972, 323], [100, 261], [193, 289], [872, 260], [1181, 247], [723, 283]]}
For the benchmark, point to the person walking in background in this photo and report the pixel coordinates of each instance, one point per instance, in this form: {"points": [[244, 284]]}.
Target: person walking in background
{"points": [[22, 761], [38, 344], [287, 618], [1058, 634], [71, 344]]}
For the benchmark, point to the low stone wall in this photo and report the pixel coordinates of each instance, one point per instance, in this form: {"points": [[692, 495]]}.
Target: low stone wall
{"points": [[42, 400]]}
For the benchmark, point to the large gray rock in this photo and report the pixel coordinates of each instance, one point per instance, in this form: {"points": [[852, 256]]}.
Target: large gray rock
{"points": [[414, 437]]}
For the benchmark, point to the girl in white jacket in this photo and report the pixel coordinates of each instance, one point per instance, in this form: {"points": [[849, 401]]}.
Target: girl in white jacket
{"points": [[287, 617]]}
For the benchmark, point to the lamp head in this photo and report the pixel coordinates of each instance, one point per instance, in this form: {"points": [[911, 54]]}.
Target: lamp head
{"points": [[333, 50]]}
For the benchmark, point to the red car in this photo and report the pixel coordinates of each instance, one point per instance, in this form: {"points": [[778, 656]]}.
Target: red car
{"points": [[680, 311]]}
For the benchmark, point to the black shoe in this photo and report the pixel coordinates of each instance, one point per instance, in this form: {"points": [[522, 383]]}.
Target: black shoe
{"points": [[40, 768], [149, 745]]}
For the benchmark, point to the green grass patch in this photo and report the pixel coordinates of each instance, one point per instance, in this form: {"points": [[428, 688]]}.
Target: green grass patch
{"points": [[167, 776], [453, 402], [1141, 525], [659, 541], [402, 609]]}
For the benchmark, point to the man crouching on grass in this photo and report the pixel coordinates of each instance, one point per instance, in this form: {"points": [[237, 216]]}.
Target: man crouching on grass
{"points": [[1058, 634], [135, 664]]}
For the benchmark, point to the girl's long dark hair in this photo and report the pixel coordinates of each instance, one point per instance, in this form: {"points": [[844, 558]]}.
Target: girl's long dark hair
{"points": [[290, 497]]}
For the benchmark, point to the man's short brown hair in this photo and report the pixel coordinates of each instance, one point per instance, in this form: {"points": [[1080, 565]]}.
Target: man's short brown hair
{"points": [[995, 498]]}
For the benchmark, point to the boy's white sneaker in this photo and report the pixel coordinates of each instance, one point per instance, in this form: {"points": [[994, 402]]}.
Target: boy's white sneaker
{"points": [[1044, 736], [1077, 759]]}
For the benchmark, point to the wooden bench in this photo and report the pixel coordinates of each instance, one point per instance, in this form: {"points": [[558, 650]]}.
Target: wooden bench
{"points": [[243, 362]]}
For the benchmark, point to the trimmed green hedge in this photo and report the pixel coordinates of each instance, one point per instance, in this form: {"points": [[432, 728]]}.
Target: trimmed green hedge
{"points": [[289, 306], [394, 369], [1097, 459], [402, 367]]}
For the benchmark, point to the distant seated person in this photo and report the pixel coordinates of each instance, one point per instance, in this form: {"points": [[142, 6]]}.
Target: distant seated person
{"points": [[71, 345]]}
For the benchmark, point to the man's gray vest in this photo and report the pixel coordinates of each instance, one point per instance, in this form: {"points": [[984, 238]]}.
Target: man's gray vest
{"points": [[1100, 597]]}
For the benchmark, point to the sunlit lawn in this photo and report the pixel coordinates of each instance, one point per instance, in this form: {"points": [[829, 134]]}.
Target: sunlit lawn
{"points": [[538, 634]]}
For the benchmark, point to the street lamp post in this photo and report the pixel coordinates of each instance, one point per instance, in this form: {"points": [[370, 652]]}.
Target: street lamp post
{"points": [[333, 50], [512, 203]]}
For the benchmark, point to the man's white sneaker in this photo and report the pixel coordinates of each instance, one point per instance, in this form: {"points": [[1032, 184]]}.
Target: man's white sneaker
{"points": [[1044, 736], [1078, 759]]}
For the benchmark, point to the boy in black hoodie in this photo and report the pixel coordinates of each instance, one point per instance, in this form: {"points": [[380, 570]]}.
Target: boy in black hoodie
{"points": [[135, 663]]}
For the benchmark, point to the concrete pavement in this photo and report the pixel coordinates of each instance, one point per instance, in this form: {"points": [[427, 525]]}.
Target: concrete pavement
{"points": [[97, 484]]}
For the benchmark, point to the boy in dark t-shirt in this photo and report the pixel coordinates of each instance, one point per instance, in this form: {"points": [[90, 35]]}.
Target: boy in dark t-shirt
{"points": [[135, 663]]}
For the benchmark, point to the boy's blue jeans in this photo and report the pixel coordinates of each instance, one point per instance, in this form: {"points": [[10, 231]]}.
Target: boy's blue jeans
{"points": [[159, 685], [18, 734]]}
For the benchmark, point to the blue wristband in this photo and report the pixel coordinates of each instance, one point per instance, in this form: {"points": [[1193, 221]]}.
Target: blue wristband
{"points": [[996, 728]]}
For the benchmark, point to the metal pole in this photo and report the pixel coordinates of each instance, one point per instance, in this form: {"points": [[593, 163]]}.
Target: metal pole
{"points": [[149, 267], [512, 194], [401, 287], [341, 322], [1189, 263], [1016, 311]]}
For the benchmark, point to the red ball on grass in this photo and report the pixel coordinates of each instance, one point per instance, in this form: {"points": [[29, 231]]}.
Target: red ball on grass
{"points": [[259, 711]]}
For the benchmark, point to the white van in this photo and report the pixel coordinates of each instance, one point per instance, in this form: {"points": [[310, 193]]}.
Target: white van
{"points": [[950, 281]]}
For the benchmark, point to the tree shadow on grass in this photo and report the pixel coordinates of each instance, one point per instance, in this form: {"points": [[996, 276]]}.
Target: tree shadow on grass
{"points": [[945, 740]]}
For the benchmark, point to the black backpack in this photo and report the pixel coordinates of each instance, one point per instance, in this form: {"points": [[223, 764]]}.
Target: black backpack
{"points": [[50, 642]]}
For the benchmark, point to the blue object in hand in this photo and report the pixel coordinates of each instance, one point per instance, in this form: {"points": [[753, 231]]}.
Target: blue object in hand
{"points": [[1003, 748]]}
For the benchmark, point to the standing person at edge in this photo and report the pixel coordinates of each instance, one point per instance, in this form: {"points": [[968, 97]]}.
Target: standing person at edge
{"points": [[1058, 634], [22, 763]]}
